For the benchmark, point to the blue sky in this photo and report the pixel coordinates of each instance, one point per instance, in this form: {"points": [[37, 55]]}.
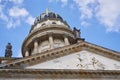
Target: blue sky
{"points": [[99, 20]]}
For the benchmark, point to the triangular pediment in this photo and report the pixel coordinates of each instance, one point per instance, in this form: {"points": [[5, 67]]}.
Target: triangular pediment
{"points": [[82, 55], [80, 60]]}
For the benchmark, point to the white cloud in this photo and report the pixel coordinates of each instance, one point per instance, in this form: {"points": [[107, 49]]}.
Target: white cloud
{"points": [[53, 1], [84, 23], [2, 15], [13, 23], [85, 8], [18, 12], [107, 12], [72, 6], [64, 2], [15, 14], [16, 1], [30, 20]]}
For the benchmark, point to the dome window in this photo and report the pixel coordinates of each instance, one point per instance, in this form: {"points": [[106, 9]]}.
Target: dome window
{"points": [[53, 22], [43, 24]]}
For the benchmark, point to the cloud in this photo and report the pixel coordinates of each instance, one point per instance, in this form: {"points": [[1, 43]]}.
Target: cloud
{"points": [[14, 14], [53, 1], [16, 1], [21, 12], [2, 15], [30, 20], [84, 8], [13, 23], [106, 12], [64, 2], [85, 24]]}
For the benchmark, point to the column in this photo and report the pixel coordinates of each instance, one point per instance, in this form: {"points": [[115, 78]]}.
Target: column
{"points": [[39, 48], [66, 40], [26, 52], [51, 41], [35, 46]]}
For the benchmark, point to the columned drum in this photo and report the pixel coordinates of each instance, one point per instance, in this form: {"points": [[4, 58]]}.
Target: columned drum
{"points": [[48, 32]]}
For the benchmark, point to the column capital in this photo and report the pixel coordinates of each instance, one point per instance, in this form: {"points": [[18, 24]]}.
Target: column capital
{"points": [[49, 33], [25, 49], [66, 35], [35, 39]]}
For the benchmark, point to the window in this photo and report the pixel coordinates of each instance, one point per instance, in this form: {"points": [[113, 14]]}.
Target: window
{"points": [[53, 22], [43, 24]]}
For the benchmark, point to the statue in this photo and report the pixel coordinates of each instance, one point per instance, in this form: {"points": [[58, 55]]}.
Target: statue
{"points": [[8, 50], [37, 19], [76, 33]]}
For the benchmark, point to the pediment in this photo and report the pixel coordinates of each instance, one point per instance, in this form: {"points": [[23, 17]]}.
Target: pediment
{"points": [[79, 60]]}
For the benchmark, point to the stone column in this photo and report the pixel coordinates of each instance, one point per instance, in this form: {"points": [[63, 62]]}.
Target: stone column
{"points": [[39, 48], [26, 52], [35, 46], [66, 40], [51, 41]]}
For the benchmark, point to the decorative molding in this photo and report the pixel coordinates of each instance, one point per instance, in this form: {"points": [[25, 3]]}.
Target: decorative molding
{"points": [[59, 74]]}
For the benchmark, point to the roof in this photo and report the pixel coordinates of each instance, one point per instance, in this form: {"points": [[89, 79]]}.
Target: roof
{"points": [[58, 52], [47, 15]]}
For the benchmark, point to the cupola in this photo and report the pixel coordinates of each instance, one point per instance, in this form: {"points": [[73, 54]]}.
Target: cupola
{"points": [[48, 32]]}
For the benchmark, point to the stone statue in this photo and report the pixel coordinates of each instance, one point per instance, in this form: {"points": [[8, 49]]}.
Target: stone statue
{"points": [[8, 50], [76, 33], [37, 19]]}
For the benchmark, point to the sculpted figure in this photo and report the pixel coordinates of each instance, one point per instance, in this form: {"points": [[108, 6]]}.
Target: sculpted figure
{"points": [[8, 50], [76, 33]]}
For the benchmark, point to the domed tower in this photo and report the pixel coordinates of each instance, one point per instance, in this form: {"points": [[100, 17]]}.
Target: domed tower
{"points": [[49, 31]]}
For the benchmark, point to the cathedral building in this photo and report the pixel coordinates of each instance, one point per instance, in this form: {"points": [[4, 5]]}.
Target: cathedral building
{"points": [[54, 51]]}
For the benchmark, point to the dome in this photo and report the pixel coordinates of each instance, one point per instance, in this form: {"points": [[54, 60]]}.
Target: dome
{"points": [[48, 18], [47, 15], [49, 31]]}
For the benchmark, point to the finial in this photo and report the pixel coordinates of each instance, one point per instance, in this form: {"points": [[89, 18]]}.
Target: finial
{"points": [[47, 10]]}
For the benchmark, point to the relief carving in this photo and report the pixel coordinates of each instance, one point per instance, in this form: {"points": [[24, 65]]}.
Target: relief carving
{"points": [[117, 66], [56, 61], [92, 64], [81, 64], [97, 64]]}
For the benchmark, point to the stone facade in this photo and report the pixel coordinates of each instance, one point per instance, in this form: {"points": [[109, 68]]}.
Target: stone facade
{"points": [[53, 51]]}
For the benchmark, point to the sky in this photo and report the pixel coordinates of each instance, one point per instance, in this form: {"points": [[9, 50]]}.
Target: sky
{"points": [[98, 20]]}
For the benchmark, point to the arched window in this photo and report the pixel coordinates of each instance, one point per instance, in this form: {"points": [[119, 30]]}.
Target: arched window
{"points": [[53, 22], [43, 24]]}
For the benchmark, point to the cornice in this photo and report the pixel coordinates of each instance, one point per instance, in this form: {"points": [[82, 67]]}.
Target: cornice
{"points": [[59, 73], [7, 58]]}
